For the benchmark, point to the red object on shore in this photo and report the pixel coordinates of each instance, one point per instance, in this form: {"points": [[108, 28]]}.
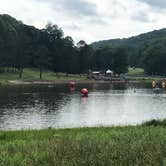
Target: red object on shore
{"points": [[72, 84], [84, 92]]}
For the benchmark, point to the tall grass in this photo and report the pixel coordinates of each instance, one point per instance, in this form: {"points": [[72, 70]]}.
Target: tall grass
{"points": [[140, 145]]}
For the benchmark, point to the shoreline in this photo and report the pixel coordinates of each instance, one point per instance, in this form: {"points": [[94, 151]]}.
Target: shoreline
{"points": [[132, 145], [148, 123], [51, 82]]}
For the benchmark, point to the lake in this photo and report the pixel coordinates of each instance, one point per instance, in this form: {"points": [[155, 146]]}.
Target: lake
{"points": [[43, 106]]}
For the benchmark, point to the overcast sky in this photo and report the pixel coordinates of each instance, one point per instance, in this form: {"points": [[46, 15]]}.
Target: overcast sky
{"points": [[90, 20]]}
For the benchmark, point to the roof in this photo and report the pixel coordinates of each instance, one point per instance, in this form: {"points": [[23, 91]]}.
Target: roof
{"points": [[109, 71], [95, 72]]}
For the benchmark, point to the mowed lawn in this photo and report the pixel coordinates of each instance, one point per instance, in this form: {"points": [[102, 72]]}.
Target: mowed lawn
{"points": [[119, 146], [34, 74], [135, 71]]}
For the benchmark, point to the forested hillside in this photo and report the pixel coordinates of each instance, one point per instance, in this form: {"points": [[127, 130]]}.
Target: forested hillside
{"points": [[133, 41], [26, 46], [141, 50]]}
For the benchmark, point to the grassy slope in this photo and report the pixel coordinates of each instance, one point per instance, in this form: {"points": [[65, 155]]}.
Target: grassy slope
{"points": [[139, 75], [140, 145], [33, 74], [135, 71]]}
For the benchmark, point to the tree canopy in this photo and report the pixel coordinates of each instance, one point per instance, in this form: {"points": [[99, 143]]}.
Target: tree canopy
{"points": [[26, 46], [146, 50]]}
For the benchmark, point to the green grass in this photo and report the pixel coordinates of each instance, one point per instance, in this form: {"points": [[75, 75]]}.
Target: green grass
{"points": [[138, 74], [135, 71], [33, 74], [139, 145], [146, 79]]}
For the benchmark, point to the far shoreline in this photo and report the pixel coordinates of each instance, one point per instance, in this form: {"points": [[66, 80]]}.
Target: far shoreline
{"points": [[52, 82]]}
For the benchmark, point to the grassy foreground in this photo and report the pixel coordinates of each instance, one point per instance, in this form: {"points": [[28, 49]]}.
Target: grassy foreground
{"points": [[140, 145]]}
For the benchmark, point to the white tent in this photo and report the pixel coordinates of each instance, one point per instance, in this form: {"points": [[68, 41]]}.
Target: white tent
{"points": [[109, 71]]}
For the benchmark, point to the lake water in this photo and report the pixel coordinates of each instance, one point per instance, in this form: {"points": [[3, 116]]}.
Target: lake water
{"points": [[36, 107]]}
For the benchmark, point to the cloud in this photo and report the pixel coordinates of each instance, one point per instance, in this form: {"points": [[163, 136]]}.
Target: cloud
{"points": [[90, 20], [71, 26], [76, 8], [158, 4], [142, 16]]}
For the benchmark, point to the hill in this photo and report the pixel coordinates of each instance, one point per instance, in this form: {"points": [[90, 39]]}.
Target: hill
{"points": [[23, 46], [135, 45], [133, 41]]}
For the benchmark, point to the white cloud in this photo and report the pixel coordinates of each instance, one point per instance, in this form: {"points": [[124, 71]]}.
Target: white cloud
{"points": [[161, 4], [90, 20]]}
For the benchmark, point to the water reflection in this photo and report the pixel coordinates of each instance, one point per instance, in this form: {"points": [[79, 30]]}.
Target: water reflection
{"points": [[24, 107]]}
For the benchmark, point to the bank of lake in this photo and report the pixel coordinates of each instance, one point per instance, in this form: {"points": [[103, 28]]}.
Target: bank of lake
{"points": [[32, 76], [130, 145]]}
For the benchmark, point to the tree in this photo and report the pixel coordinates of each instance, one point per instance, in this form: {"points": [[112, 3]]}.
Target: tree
{"points": [[41, 58], [55, 45], [155, 59], [110, 58], [85, 55], [120, 60], [25, 46]]}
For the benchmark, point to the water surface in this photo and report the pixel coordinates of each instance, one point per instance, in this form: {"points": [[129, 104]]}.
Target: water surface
{"points": [[42, 106]]}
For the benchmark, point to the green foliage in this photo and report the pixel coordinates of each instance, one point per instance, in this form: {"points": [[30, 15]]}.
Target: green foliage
{"points": [[87, 146], [111, 58], [155, 123], [23, 46], [155, 58], [145, 50]]}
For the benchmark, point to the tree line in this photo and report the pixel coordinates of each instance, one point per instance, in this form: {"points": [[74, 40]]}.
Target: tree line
{"points": [[24, 46], [147, 50]]}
